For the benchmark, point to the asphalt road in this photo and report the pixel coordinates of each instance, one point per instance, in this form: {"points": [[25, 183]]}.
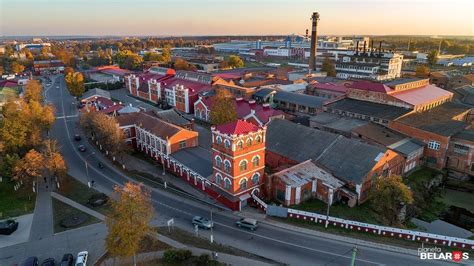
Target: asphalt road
{"points": [[285, 246]]}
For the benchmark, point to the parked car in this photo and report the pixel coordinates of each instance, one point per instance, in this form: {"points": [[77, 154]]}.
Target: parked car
{"points": [[8, 227], [48, 262], [81, 148], [202, 222], [247, 223], [68, 260], [97, 200], [77, 137], [81, 259], [31, 261]]}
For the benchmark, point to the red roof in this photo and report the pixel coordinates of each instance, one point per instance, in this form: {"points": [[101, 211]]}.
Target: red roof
{"points": [[263, 113], [8, 83], [112, 109], [235, 75], [330, 87], [424, 95], [193, 86], [370, 86], [237, 128]]}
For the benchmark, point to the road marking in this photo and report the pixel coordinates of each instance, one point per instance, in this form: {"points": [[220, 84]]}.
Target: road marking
{"points": [[68, 116]]}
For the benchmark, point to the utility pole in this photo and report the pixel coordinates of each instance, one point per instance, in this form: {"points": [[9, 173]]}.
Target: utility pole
{"points": [[212, 225], [330, 192], [354, 254]]}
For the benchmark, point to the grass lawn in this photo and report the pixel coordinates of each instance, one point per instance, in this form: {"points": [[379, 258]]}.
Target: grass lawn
{"points": [[80, 193], [15, 203], [194, 260], [362, 213], [459, 199], [62, 210], [417, 179]]}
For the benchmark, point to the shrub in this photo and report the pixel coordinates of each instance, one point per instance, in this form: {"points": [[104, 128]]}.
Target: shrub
{"points": [[176, 255], [203, 260]]}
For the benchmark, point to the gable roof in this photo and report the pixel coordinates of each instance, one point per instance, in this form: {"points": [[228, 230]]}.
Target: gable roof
{"points": [[172, 117], [370, 86], [305, 172], [193, 86], [347, 159], [300, 99], [378, 110], [95, 92], [330, 87], [237, 128], [426, 94]]}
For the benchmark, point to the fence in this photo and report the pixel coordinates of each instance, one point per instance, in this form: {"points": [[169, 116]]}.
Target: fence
{"points": [[374, 229]]}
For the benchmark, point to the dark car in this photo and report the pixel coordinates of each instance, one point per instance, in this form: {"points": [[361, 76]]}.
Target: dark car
{"points": [[247, 223], [97, 200], [8, 227], [68, 260], [31, 261], [48, 262], [202, 222], [77, 137], [81, 148]]}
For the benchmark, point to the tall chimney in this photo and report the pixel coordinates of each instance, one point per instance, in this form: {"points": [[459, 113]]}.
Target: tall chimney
{"points": [[314, 41], [364, 46], [357, 47], [380, 48], [307, 33], [372, 47]]}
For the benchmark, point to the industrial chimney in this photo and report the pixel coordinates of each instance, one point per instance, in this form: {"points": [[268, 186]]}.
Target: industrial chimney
{"points": [[314, 41]]}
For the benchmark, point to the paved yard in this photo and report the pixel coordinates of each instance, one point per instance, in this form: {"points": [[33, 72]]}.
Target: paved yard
{"points": [[21, 235]]}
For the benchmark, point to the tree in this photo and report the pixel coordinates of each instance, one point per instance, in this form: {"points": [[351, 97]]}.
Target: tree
{"points": [[422, 71], [181, 64], [28, 168], [432, 57], [17, 67], [75, 83], [129, 220], [53, 160], [68, 70], [166, 54], [2, 70], [13, 133], [388, 195], [223, 108], [149, 56], [328, 67], [33, 91], [223, 65], [7, 163], [128, 60], [235, 61]]}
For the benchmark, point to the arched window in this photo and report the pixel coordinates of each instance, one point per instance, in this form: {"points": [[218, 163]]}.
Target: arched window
{"points": [[256, 161], [227, 166], [255, 178], [218, 162], [243, 165], [227, 184], [243, 184], [258, 139], [203, 114], [218, 179], [227, 144], [218, 140], [240, 144], [249, 142]]}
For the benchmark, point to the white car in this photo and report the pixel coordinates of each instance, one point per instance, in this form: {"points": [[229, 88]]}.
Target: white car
{"points": [[81, 259]]}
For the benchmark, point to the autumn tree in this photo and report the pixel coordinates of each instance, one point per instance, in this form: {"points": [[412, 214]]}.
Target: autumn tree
{"points": [[328, 67], [387, 196], [129, 220], [68, 70], [235, 61], [128, 60], [75, 83], [422, 71], [149, 56], [33, 91], [17, 67], [432, 57], [166, 54], [181, 64], [223, 108], [28, 168], [53, 160], [7, 163]]}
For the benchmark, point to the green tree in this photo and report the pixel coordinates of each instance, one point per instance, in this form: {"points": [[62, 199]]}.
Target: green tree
{"points": [[75, 83], [128, 60], [129, 220], [328, 67], [432, 57], [387, 196], [235, 61], [223, 108]]}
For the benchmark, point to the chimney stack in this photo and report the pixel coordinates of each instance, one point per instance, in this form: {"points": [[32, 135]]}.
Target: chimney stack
{"points": [[380, 48], [372, 47], [364, 46], [357, 48], [314, 41]]}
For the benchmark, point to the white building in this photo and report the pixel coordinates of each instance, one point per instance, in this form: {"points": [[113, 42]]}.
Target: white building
{"points": [[370, 65]]}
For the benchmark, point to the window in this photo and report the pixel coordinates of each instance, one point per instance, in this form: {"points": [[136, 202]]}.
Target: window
{"points": [[243, 165], [182, 144], [227, 166], [243, 184], [218, 179], [227, 184], [280, 195], [256, 161], [255, 178], [461, 149], [249, 142], [434, 145], [258, 139], [218, 162], [227, 144], [240, 144], [219, 140]]}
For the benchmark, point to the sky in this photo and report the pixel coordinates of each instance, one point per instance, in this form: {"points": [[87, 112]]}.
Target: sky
{"points": [[234, 17]]}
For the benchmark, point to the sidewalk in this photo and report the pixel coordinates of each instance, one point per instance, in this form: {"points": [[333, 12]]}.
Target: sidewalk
{"points": [[78, 206], [42, 225]]}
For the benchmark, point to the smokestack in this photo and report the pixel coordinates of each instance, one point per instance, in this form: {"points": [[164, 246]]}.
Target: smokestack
{"points": [[314, 40], [357, 47], [380, 48], [371, 47], [307, 32], [364, 46]]}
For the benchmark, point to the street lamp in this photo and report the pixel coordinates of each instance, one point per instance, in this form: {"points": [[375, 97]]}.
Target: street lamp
{"points": [[212, 222], [330, 196], [87, 168]]}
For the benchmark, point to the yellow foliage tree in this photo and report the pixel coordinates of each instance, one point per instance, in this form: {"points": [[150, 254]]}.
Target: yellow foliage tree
{"points": [[28, 168], [33, 91], [53, 160], [75, 83], [223, 108], [129, 220]]}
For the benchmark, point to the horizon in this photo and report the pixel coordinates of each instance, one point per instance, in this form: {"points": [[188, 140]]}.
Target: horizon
{"points": [[246, 18]]}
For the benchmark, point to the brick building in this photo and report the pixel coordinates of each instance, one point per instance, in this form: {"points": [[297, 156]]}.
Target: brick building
{"points": [[326, 90], [355, 163], [459, 160], [154, 136], [297, 103], [238, 159]]}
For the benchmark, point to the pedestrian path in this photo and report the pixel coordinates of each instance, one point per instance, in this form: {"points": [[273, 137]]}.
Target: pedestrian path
{"points": [[78, 206], [42, 225]]}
